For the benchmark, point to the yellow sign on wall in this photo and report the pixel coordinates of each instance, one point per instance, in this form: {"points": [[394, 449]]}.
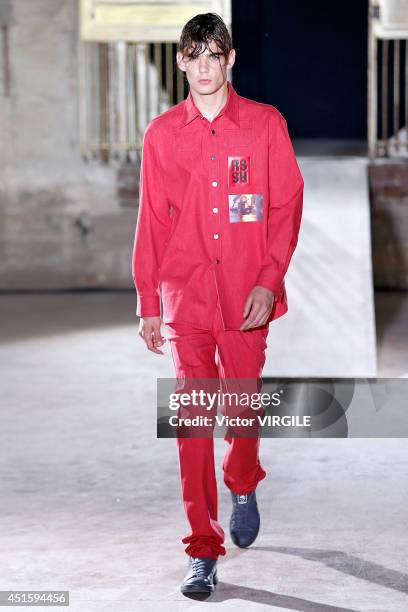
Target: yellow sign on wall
{"points": [[143, 21]]}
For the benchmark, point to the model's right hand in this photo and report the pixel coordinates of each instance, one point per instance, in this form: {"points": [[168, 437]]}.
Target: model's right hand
{"points": [[149, 330]]}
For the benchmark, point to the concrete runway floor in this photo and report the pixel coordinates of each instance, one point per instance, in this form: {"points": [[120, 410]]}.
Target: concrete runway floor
{"points": [[90, 499]]}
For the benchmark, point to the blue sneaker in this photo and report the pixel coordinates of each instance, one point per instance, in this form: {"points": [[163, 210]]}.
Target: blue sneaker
{"points": [[201, 575], [245, 520]]}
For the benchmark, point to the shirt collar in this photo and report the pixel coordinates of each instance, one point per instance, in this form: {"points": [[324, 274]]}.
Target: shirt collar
{"points": [[230, 109]]}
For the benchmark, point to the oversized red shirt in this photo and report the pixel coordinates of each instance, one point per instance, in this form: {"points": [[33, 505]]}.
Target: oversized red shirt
{"points": [[220, 206]]}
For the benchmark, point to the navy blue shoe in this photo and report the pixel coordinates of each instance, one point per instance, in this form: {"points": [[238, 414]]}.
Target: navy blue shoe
{"points": [[245, 520], [201, 575]]}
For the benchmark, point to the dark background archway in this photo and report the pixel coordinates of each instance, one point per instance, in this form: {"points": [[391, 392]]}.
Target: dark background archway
{"points": [[309, 59]]}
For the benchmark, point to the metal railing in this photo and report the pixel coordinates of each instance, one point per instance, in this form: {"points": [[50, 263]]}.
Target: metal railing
{"points": [[122, 86], [387, 116]]}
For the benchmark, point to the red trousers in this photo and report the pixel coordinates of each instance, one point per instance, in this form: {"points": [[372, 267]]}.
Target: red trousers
{"points": [[216, 354]]}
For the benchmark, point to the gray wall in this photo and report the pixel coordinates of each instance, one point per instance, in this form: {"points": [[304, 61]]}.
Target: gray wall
{"points": [[62, 221]]}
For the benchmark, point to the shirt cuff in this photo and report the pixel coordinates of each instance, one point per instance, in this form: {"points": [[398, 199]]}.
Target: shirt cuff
{"points": [[268, 279], [148, 306]]}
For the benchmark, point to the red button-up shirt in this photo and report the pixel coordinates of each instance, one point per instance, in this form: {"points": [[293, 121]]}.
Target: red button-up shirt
{"points": [[220, 206]]}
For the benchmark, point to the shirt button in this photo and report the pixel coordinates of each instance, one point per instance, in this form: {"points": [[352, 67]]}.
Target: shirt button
{"points": [[215, 209], [214, 183], [213, 157], [215, 236], [217, 260], [212, 131]]}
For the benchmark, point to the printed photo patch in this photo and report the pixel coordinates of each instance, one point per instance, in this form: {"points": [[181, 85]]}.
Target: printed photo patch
{"points": [[245, 207], [238, 170]]}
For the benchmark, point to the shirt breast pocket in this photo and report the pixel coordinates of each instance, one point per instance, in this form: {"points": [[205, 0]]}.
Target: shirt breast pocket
{"points": [[242, 137], [187, 149], [237, 140]]}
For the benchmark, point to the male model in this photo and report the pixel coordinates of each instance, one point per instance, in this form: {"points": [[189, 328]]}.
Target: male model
{"points": [[219, 215]]}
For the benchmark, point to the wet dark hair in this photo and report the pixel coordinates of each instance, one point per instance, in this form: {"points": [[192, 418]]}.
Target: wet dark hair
{"points": [[200, 30]]}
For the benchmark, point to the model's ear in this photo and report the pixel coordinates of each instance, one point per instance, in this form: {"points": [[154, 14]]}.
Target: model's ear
{"points": [[231, 58], [180, 61]]}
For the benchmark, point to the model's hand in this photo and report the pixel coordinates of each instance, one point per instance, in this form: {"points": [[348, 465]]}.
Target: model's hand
{"points": [[149, 330], [257, 307]]}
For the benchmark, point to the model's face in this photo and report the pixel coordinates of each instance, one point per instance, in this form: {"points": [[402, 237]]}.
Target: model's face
{"points": [[207, 72]]}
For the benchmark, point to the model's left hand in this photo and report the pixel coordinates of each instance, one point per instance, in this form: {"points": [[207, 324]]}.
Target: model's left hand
{"points": [[257, 307]]}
